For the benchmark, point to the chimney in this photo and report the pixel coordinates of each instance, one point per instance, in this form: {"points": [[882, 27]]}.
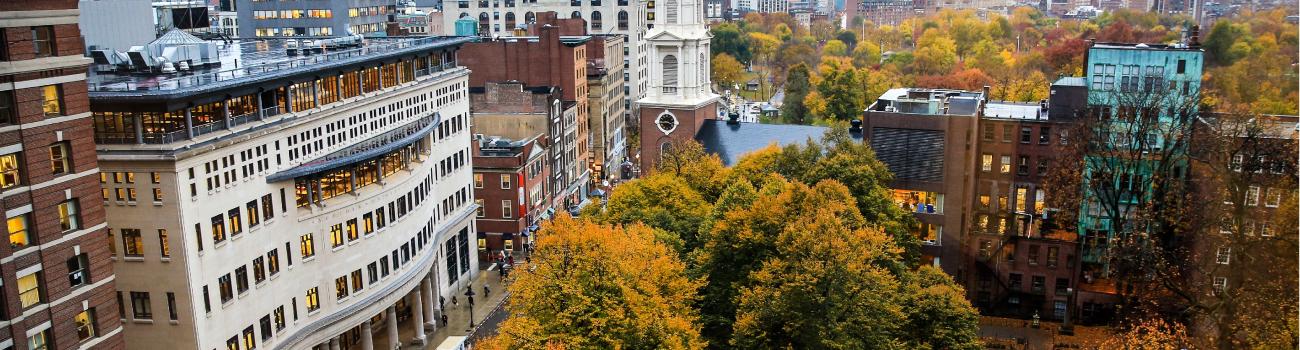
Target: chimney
{"points": [[985, 96], [1195, 40]]}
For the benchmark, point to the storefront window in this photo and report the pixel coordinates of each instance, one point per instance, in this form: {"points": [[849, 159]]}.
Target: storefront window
{"points": [[919, 201]]}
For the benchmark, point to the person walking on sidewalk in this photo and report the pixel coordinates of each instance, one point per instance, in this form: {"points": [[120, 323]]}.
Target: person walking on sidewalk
{"points": [[486, 291]]}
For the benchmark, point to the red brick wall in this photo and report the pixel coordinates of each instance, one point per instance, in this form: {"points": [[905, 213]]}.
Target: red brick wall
{"points": [[688, 124]]}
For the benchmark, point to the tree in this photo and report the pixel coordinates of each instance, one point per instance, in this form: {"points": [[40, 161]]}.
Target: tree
{"points": [[848, 38], [728, 39], [1149, 334], [835, 48], [866, 54], [600, 286], [1219, 42], [797, 87], [966, 79], [837, 83], [727, 72], [935, 53]]}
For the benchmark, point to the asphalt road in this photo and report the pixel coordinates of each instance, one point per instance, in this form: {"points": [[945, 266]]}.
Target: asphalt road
{"points": [[488, 326]]}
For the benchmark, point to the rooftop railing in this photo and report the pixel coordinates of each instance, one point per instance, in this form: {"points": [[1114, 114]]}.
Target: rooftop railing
{"points": [[290, 62]]}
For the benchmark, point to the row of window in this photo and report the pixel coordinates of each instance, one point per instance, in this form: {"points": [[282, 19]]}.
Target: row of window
{"points": [[1022, 165], [353, 282], [291, 14], [12, 170], [33, 286], [596, 21], [133, 243], [22, 231], [42, 41], [370, 222], [293, 31], [234, 217], [1026, 134]]}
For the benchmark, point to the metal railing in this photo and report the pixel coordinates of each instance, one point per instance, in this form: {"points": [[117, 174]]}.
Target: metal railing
{"points": [[229, 74]]}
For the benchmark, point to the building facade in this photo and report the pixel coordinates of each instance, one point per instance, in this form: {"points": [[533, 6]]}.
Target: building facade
{"points": [[329, 18], [291, 209], [608, 124], [681, 97], [629, 18], [548, 59], [511, 110], [510, 178], [56, 273]]}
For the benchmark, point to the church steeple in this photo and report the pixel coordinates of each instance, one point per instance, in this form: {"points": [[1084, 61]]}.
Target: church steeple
{"points": [[680, 96]]}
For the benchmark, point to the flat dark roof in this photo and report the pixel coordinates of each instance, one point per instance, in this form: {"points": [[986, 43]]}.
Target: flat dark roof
{"points": [[731, 141], [252, 61]]}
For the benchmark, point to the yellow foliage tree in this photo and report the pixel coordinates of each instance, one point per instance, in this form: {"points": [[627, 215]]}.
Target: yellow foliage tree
{"points": [[593, 286]]}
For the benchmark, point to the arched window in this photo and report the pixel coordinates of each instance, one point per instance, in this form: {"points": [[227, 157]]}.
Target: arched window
{"points": [[510, 21], [483, 22], [622, 20], [664, 148], [529, 17], [463, 15], [671, 11], [575, 14], [670, 74], [595, 20]]}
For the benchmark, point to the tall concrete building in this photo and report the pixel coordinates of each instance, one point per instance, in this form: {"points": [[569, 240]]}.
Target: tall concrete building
{"points": [[287, 201], [630, 18], [326, 18], [57, 276], [681, 97]]}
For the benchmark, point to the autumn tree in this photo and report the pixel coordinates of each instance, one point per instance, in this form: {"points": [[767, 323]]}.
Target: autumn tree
{"points": [[835, 48], [728, 39], [935, 53], [727, 72], [866, 54], [837, 83], [600, 286], [797, 87]]}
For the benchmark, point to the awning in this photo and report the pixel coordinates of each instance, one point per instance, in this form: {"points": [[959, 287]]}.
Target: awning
{"points": [[361, 151]]}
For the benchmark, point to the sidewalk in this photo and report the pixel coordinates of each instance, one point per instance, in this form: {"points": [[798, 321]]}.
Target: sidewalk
{"points": [[458, 315]]}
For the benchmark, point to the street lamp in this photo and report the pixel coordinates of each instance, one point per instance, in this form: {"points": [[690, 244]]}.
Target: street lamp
{"points": [[469, 294]]}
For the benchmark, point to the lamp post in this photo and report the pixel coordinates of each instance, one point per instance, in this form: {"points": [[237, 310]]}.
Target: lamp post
{"points": [[1068, 326], [469, 294]]}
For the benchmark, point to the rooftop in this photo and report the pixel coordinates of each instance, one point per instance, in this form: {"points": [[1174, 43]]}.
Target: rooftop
{"points": [[1014, 110], [1144, 46], [731, 141], [928, 101], [238, 62], [1071, 81]]}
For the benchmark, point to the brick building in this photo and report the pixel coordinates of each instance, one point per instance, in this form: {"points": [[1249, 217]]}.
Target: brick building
{"points": [[608, 124], [510, 190], [549, 58], [56, 272]]}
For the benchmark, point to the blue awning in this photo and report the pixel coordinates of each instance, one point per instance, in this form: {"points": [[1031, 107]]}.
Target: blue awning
{"points": [[361, 151]]}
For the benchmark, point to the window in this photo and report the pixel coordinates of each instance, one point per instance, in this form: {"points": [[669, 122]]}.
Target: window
{"points": [[505, 181], [479, 202], [8, 109], [1033, 254], [241, 279], [251, 209], [1042, 166], [273, 261], [506, 209], [265, 322], [368, 223], [140, 308], [132, 245], [207, 303], [268, 210], [1273, 197], [43, 41], [1223, 256], [279, 317], [336, 235], [352, 230], [1235, 163], [305, 246], [9, 169], [341, 287], [224, 286], [171, 307], [1006, 165], [1182, 66], [39, 341], [155, 178], [68, 218], [1252, 196], [250, 342], [1038, 284], [357, 282], [622, 16], [59, 158], [1022, 167], [259, 270], [236, 226], [78, 270], [218, 229], [85, 322], [1014, 281], [1006, 133], [1026, 134], [158, 195], [478, 180], [162, 243], [1220, 284], [19, 232], [52, 100], [232, 343], [1052, 254], [986, 162]]}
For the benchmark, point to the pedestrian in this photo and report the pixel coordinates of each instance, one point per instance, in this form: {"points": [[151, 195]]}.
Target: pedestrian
{"points": [[442, 304], [502, 272], [486, 291], [444, 319], [453, 300], [511, 260]]}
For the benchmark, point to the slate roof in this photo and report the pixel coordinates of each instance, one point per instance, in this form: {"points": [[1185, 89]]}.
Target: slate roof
{"points": [[731, 141]]}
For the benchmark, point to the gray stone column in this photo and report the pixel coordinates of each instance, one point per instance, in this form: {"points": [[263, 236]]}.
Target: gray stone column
{"points": [[261, 106], [138, 124], [391, 315], [430, 304], [315, 94], [417, 315], [334, 343], [288, 99], [189, 123], [367, 340], [225, 113]]}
